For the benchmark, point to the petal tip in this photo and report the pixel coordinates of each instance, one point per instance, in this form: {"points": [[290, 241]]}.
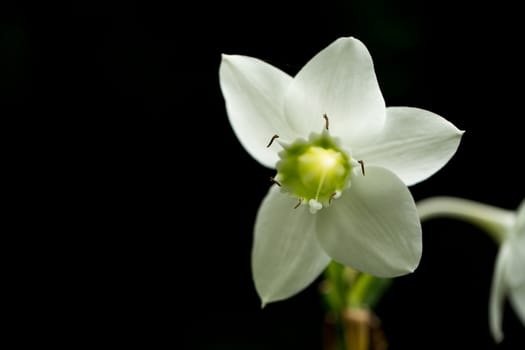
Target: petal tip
{"points": [[498, 337], [412, 269], [350, 39], [225, 57], [398, 272]]}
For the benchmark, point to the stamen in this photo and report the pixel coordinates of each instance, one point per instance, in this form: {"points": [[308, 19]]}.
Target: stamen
{"points": [[315, 206], [272, 180], [298, 204], [271, 141], [362, 166], [326, 122], [332, 197]]}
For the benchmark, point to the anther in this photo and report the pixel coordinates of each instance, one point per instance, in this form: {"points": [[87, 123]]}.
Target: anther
{"points": [[298, 204], [362, 166], [326, 123], [315, 206], [272, 180], [273, 138], [332, 197]]}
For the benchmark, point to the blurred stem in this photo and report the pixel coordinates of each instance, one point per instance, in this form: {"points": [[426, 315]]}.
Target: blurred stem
{"points": [[335, 289], [367, 290], [349, 297], [493, 220], [356, 330], [338, 286]]}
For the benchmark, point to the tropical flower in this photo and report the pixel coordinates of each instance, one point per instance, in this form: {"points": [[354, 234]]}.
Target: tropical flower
{"points": [[509, 277], [507, 228], [343, 164]]}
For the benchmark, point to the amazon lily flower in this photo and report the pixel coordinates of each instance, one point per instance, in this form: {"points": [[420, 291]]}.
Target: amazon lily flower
{"points": [[343, 164], [507, 228], [508, 280]]}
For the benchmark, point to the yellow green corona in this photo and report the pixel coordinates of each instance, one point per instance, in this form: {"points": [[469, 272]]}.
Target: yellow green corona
{"points": [[314, 170]]}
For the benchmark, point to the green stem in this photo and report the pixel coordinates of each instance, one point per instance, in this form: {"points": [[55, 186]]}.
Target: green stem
{"points": [[340, 329], [493, 220], [335, 274], [367, 290]]}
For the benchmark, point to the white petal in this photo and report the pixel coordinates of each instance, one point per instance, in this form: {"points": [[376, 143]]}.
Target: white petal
{"points": [[374, 226], [339, 81], [516, 260], [497, 295], [519, 227], [254, 94], [286, 256], [414, 144], [516, 245], [517, 300]]}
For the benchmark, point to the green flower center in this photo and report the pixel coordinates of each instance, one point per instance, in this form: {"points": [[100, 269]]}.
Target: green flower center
{"points": [[315, 171]]}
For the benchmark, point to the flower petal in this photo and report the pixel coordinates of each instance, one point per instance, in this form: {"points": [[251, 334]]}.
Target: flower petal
{"points": [[517, 300], [516, 247], [415, 144], [497, 294], [254, 94], [286, 256], [519, 227], [339, 81], [516, 260], [374, 226]]}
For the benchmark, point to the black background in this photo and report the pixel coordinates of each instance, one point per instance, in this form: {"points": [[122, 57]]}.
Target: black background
{"points": [[137, 202]]}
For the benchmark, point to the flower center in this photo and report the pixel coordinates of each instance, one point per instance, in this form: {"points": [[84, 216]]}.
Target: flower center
{"points": [[315, 171]]}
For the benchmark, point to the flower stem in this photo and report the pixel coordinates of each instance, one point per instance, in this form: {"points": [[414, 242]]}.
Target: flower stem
{"points": [[493, 220], [367, 290], [350, 296]]}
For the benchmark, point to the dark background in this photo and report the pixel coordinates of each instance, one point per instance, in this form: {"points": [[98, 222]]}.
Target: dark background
{"points": [[140, 202]]}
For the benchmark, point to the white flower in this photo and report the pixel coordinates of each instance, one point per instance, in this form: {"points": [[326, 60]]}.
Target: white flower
{"points": [[509, 275], [345, 157], [506, 228]]}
